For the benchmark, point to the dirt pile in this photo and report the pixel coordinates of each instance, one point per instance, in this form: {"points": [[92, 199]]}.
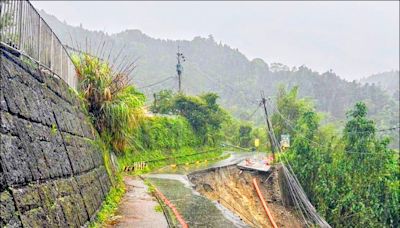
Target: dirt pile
{"points": [[233, 188]]}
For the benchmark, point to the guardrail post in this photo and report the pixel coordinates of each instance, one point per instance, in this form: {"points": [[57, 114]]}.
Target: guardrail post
{"points": [[18, 33], [51, 54], [40, 29], [61, 59], [20, 26]]}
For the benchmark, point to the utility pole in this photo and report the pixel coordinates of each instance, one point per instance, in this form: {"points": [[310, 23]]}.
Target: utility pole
{"points": [[270, 131], [179, 68], [155, 100]]}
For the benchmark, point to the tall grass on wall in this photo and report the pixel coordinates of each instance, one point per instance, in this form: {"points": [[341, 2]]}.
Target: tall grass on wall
{"points": [[114, 105]]}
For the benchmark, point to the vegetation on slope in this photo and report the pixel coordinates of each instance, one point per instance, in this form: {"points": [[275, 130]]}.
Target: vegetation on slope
{"points": [[352, 178], [164, 140], [211, 123], [116, 110], [211, 64], [389, 81], [218, 68], [165, 132], [202, 112]]}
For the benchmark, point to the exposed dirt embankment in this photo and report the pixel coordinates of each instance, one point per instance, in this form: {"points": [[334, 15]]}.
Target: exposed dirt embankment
{"points": [[233, 188]]}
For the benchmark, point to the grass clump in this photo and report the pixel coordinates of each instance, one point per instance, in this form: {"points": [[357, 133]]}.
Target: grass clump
{"points": [[158, 208], [114, 106]]}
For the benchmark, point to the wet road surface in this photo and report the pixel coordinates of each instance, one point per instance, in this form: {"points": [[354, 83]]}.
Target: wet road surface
{"points": [[137, 208], [197, 210]]}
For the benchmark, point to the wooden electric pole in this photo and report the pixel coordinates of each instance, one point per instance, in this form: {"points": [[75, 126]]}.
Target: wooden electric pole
{"points": [[179, 69], [270, 131], [155, 100]]}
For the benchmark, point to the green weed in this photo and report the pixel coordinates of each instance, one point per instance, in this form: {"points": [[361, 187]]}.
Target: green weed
{"points": [[110, 205], [53, 129]]}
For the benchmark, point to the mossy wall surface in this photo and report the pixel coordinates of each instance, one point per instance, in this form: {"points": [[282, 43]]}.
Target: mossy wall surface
{"points": [[52, 173]]}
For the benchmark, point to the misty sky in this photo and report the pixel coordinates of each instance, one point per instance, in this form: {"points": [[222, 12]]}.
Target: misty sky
{"points": [[355, 39]]}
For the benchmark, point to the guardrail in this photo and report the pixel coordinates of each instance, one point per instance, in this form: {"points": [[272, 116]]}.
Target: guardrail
{"points": [[25, 31], [140, 165]]}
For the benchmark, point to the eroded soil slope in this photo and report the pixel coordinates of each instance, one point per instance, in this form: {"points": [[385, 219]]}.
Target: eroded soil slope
{"points": [[233, 188]]}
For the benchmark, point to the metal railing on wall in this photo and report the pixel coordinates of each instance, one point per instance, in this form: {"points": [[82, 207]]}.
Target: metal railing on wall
{"points": [[24, 30]]}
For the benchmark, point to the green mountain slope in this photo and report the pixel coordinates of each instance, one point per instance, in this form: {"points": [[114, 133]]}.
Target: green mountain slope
{"points": [[212, 66], [388, 81]]}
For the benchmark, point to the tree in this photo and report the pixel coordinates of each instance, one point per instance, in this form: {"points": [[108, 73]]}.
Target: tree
{"points": [[245, 135], [374, 173], [163, 102], [290, 108], [308, 154], [202, 112], [221, 68], [352, 180]]}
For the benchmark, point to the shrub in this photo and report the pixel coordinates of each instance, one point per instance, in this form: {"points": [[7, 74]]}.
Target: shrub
{"points": [[161, 132], [202, 112]]}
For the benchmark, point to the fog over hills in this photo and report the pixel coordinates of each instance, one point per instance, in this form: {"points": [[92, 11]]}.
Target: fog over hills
{"points": [[355, 39], [301, 98], [216, 67], [388, 81]]}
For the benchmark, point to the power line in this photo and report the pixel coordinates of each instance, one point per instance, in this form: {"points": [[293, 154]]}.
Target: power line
{"points": [[290, 124], [360, 152], [388, 129], [321, 146], [297, 192], [247, 98], [255, 111], [377, 130], [156, 83], [302, 201]]}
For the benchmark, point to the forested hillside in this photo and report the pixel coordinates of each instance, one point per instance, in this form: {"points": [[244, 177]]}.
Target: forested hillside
{"points": [[216, 67], [353, 177], [389, 81]]}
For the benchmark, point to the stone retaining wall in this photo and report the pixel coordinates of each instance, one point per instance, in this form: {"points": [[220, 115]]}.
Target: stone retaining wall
{"points": [[52, 173]]}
